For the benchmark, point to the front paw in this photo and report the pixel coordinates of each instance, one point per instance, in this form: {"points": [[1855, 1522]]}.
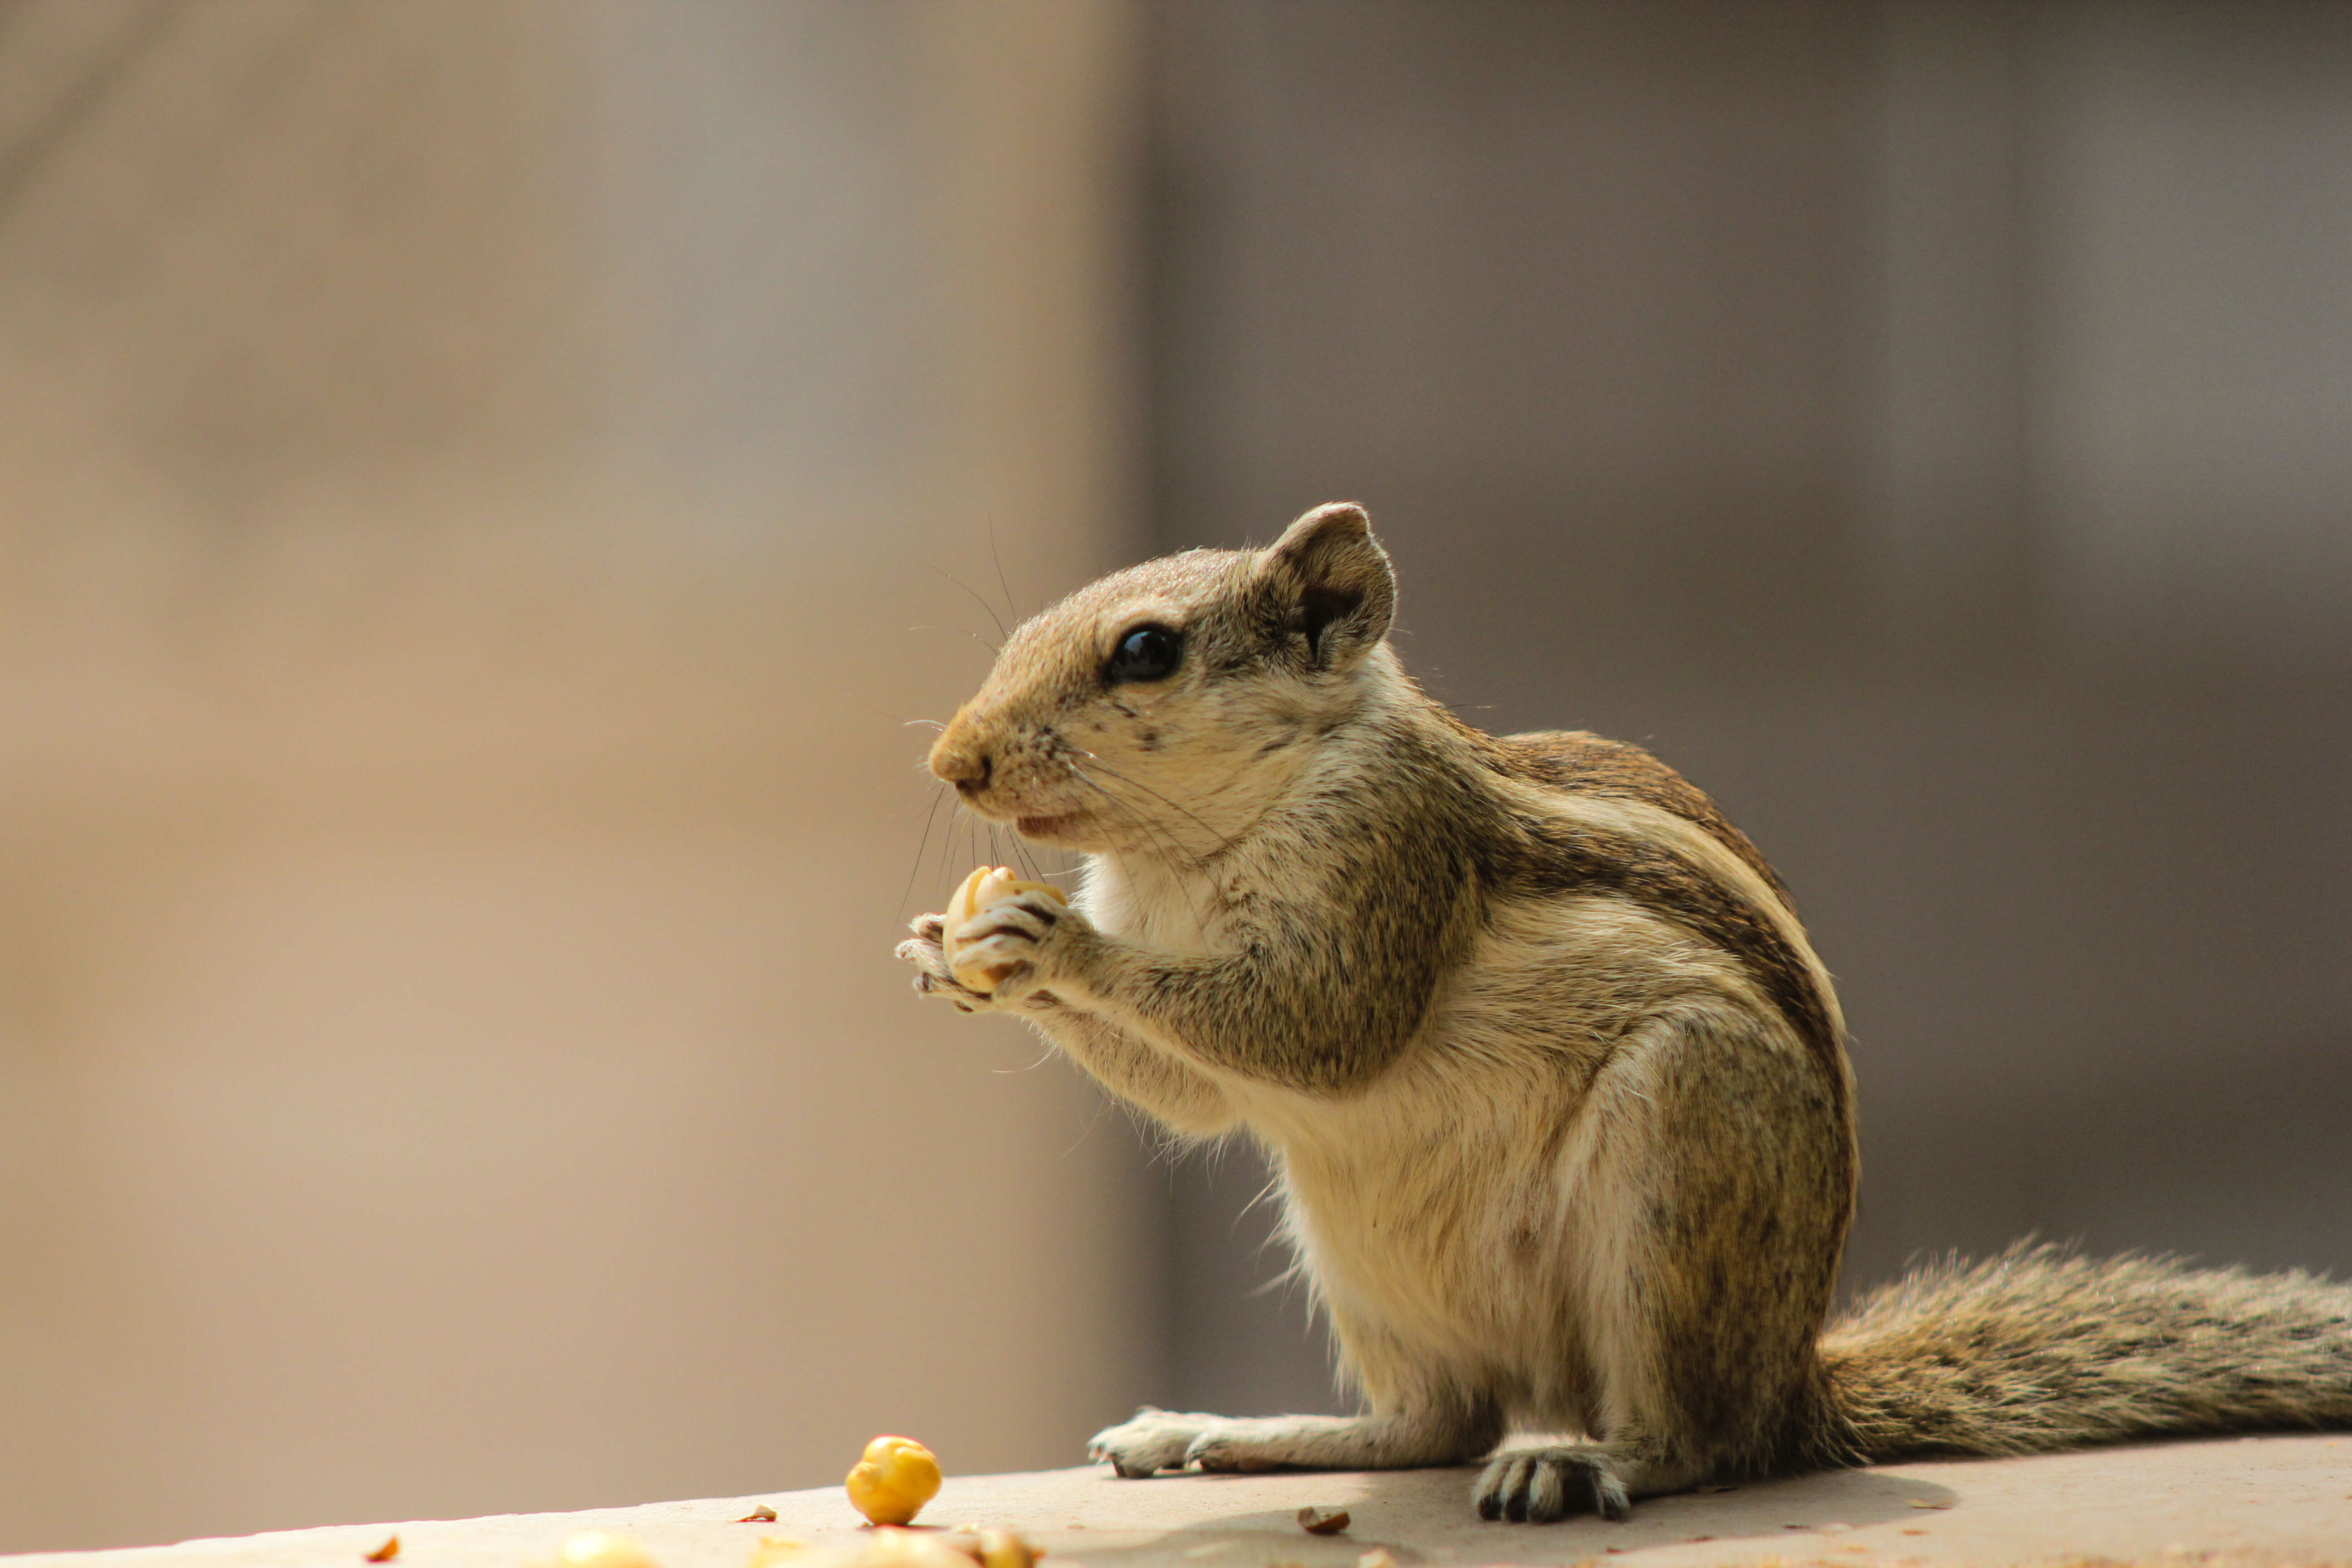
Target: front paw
{"points": [[1019, 945], [1232, 1446], [932, 975], [1155, 1440]]}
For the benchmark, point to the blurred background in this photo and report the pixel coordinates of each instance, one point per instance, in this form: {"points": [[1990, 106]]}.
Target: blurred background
{"points": [[485, 488]]}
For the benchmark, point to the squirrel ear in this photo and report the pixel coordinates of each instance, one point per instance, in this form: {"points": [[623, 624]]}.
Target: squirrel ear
{"points": [[1337, 589]]}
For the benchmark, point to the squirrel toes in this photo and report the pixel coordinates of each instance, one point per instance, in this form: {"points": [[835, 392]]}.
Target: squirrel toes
{"points": [[1556, 1087]]}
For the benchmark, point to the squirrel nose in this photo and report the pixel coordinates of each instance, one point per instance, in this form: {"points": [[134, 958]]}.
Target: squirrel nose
{"points": [[966, 767]]}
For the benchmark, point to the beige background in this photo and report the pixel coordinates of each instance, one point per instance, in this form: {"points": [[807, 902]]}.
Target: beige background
{"points": [[471, 482], [485, 486]]}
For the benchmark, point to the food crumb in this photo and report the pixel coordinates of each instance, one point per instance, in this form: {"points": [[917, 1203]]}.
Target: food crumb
{"points": [[1377, 1557], [386, 1552], [1931, 1503], [762, 1514], [1915, 1532], [1316, 1522]]}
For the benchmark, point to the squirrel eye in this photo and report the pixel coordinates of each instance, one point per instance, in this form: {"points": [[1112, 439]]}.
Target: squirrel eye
{"points": [[1146, 653]]}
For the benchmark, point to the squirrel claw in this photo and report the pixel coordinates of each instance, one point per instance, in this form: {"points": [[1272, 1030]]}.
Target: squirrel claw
{"points": [[1153, 1441], [1543, 1486], [932, 977]]}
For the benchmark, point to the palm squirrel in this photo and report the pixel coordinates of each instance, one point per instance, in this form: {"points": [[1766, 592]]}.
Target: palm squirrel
{"points": [[1556, 1087]]}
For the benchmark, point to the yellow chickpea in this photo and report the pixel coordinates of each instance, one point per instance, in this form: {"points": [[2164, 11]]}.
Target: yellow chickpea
{"points": [[892, 1481]]}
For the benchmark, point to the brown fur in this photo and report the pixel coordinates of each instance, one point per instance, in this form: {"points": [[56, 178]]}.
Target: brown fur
{"points": [[1580, 761], [1556, 1085]]}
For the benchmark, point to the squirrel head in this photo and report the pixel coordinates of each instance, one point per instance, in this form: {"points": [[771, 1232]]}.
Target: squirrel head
{"points": [[1160, 710]]}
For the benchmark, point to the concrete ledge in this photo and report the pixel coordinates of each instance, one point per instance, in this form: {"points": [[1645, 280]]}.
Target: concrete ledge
{"points": [[2253, 1501]]}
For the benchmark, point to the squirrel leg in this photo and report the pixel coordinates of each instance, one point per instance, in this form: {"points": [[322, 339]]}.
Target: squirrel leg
{"points": [[1713, 1211], [1133, 1071]]}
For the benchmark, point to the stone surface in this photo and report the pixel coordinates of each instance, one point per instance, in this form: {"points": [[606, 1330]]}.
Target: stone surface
{"points": [[2254, 1500]]}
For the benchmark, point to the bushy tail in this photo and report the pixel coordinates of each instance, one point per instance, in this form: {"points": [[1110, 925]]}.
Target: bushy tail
{"points": [[2037, 1350]]}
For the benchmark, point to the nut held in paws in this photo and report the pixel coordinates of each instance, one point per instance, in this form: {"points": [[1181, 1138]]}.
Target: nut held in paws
{"points": [[987, 886]]}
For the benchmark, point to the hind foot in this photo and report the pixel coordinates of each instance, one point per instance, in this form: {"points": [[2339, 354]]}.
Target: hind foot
{"points": [[1540, 1486]]}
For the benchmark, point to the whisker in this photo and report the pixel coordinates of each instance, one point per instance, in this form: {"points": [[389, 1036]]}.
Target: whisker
{"points": [[916, 869], [1090, 1128], [965, 631], [976, 599], [1024, 860], [1225, 841], [1156, 835], [949, 855], [1045, 1056], [1010, 607]]}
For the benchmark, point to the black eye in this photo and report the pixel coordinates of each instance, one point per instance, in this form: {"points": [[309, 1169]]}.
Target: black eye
{"points": [[1146, 653]]}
